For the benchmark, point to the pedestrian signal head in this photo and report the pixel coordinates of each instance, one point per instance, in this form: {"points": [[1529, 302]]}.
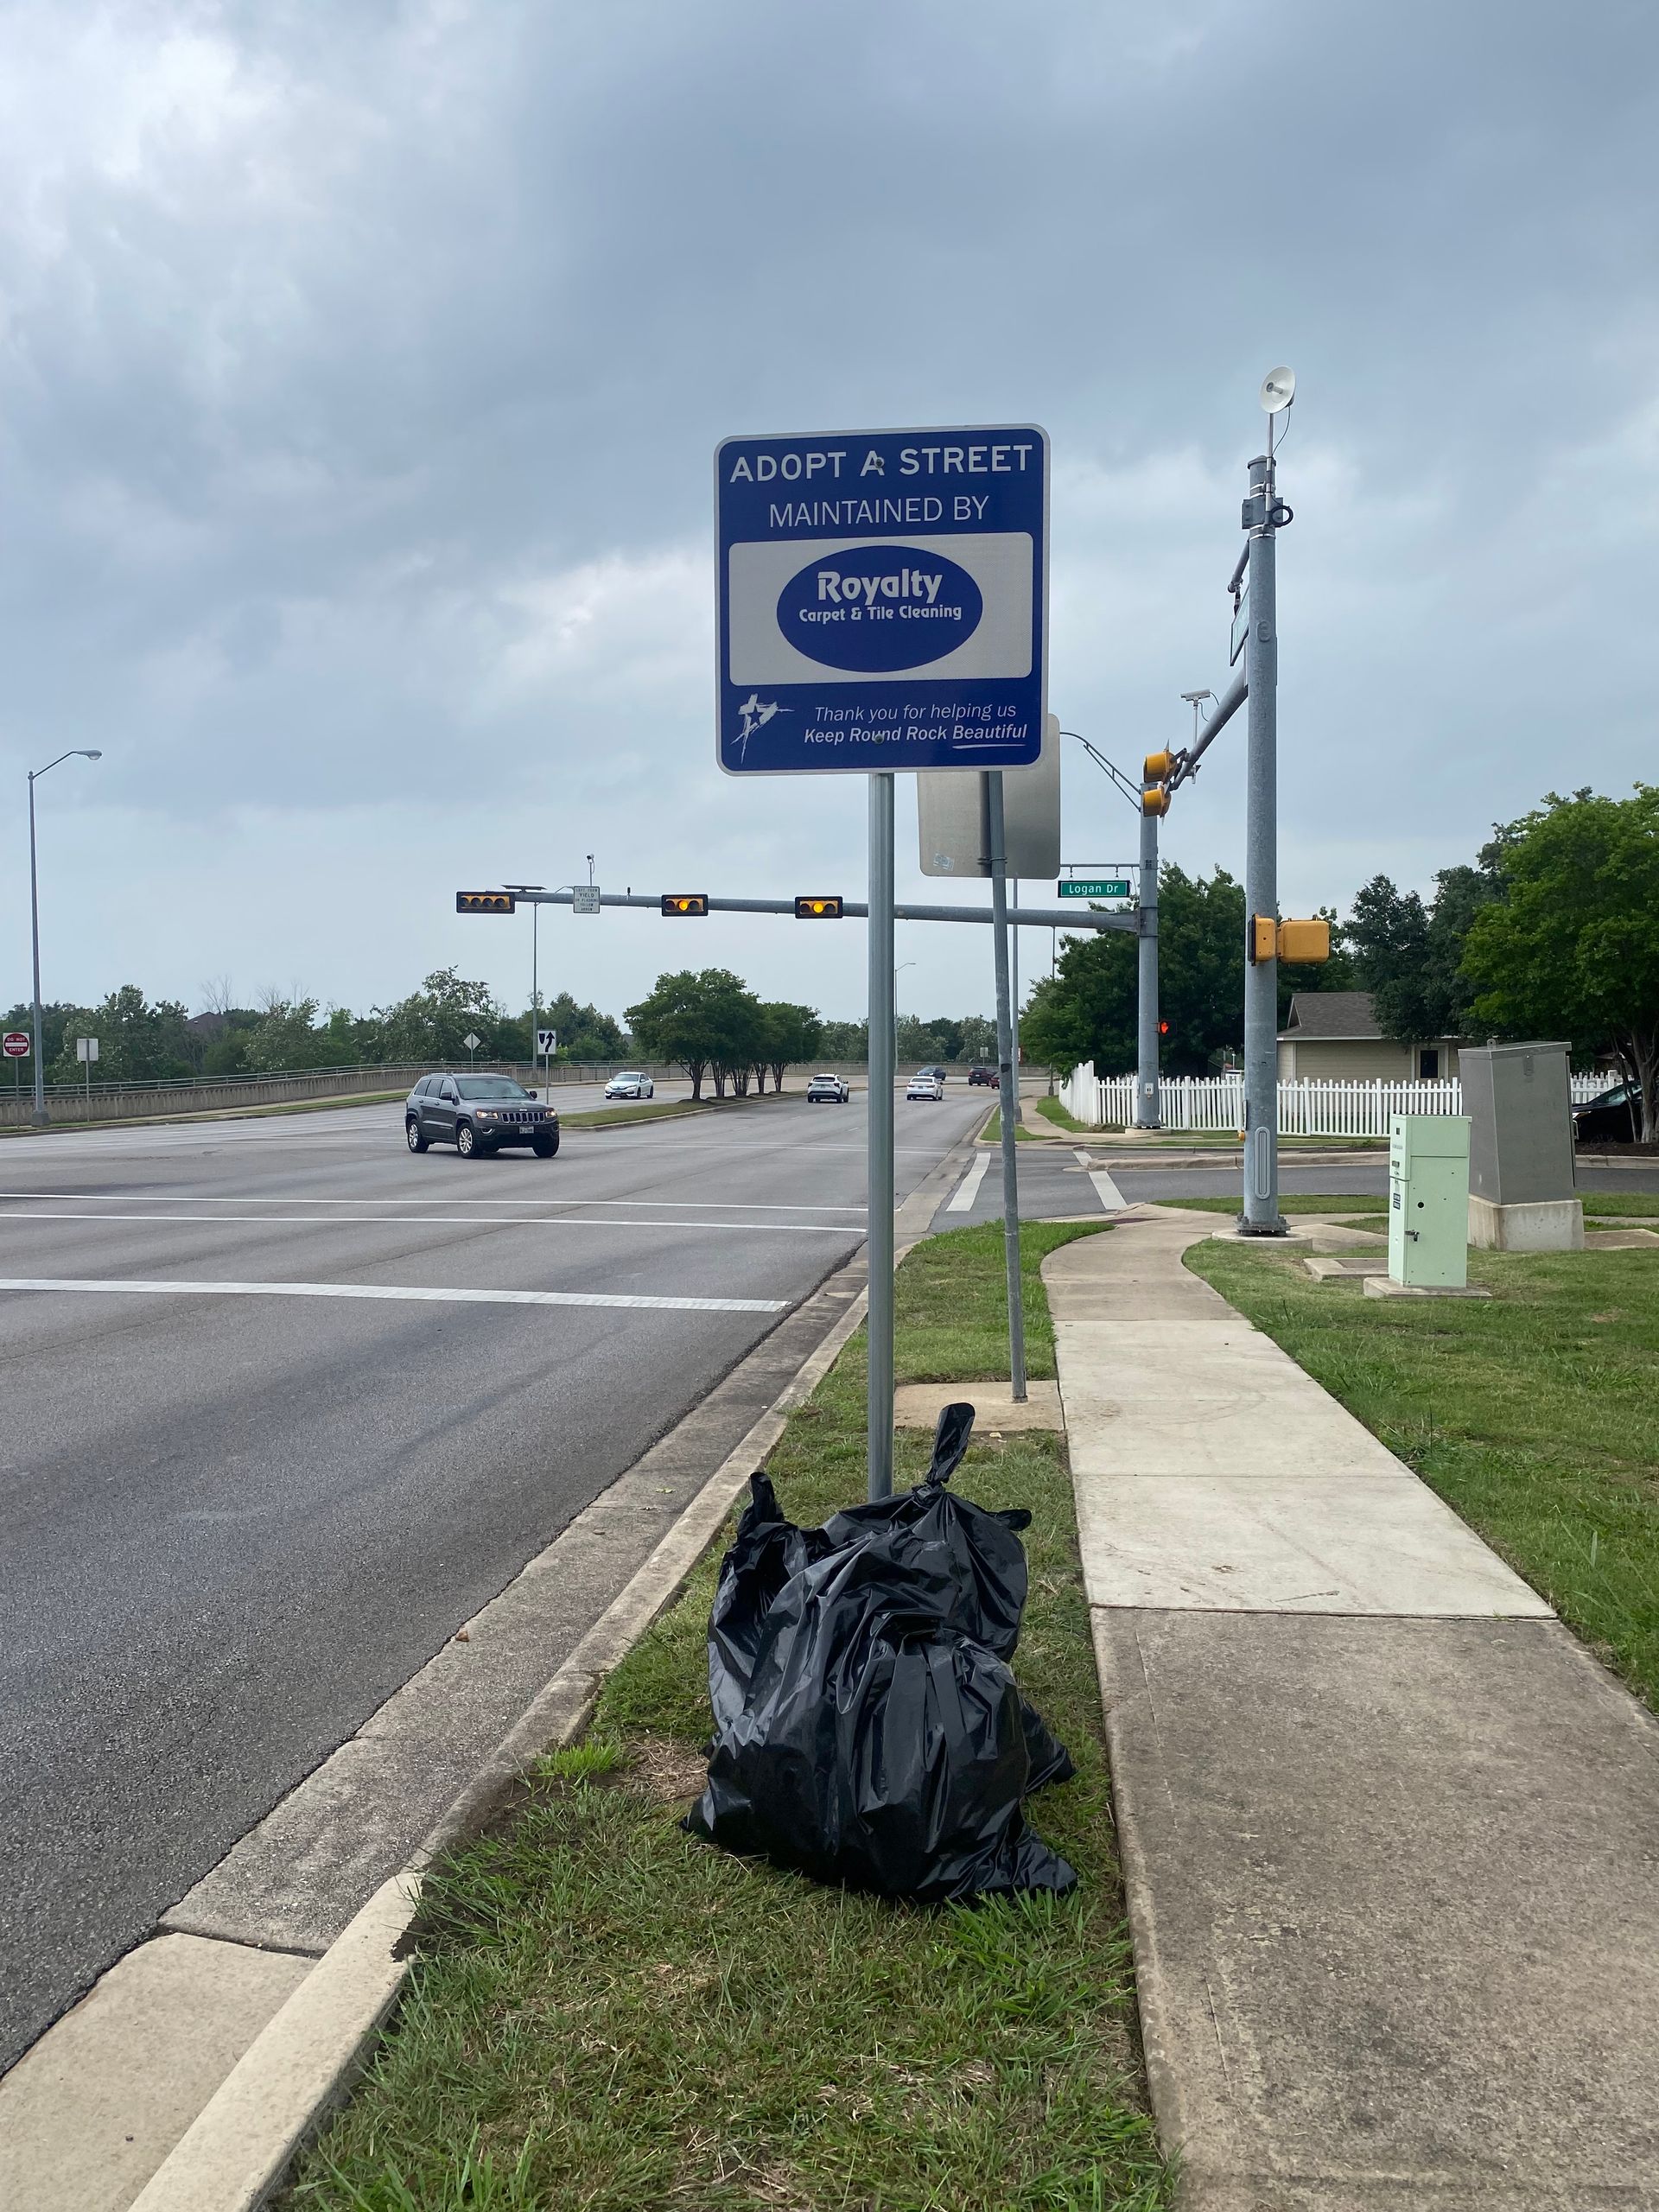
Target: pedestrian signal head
{"points": [[821, 909], [681, 903], [1305, 941], [1157, 767], [1155, 801], [1264, 938], [1163, 1029], [483, 902]]}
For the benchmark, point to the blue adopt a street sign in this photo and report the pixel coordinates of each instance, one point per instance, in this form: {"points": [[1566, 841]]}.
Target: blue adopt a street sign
{"points": [[882, 601]]}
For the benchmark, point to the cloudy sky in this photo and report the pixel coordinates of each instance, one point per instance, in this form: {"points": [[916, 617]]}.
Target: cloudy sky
{"points": [[361, 364]]}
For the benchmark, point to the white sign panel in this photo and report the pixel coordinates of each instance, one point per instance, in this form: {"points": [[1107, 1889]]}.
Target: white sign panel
{"points": [[584, 900], [86, 1048], [547, 1042]]}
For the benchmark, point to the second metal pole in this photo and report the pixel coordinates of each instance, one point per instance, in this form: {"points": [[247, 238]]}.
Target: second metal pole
{"points": [[879, 1244], [40, 1114], [1007, 1087], [1146, 1109], [1261, 1217]]}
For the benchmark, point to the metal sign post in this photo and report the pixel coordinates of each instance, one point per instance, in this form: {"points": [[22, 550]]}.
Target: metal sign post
{"points": [[1008, 1095], [87, 1052], [882, 597], [882, 1072]]}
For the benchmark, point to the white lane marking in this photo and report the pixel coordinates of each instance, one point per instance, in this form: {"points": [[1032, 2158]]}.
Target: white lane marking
{"points": [[1110, 1197], [967, 1191], [254, 1199], [444, 1221], [397, 1290]]}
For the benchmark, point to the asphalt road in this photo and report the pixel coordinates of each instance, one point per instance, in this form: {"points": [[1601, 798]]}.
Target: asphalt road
{"points": [[238, 1517]]}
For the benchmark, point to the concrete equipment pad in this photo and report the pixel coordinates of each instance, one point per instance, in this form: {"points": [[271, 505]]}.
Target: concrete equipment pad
{"points": [[918, 1405], [1396, 1893]]}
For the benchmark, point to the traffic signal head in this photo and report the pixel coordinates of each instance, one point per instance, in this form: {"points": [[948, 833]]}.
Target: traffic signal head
{"points": [[824, 909], [1157, 768], [1163, 1029], [1306, 941], [1155, 801], [682, 903], [1263, 938], [483, 902]]}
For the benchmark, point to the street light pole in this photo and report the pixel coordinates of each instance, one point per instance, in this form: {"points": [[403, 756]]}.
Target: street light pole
{"points": [[1261, 1217], [75, 752]]}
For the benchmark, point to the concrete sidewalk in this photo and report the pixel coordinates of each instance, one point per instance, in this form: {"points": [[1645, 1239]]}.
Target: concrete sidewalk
{"points": [[1390, 1834]]}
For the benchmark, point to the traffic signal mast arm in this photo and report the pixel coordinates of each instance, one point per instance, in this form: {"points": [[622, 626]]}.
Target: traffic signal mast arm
{"points": [[1040, 918]]}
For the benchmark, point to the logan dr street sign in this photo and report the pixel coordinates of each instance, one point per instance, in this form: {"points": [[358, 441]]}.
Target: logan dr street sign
{"points": [[880, 601]]}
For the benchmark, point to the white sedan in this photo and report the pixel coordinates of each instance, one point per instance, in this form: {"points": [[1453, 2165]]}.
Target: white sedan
{"points": [[630, 1085], [924, 1086]]}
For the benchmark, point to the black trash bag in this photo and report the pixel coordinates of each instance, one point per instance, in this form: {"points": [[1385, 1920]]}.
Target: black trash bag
{"points": [[867, 1728]]}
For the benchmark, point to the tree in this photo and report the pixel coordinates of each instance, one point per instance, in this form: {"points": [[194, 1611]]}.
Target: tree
{"points": [[1569, 948], [1408, 954], [1087, 1011], [584, 1032], [701, 1019], [845, 1040], [137, 1042], [286, 1036], [792, 1034], [432, 1023]]}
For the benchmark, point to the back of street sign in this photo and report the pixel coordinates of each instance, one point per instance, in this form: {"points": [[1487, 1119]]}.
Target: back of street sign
{"points": [[882, 601]]}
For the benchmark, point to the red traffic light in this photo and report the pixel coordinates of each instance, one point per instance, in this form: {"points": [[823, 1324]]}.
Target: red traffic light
{"points": [[1163, 1029], [680, 904]]}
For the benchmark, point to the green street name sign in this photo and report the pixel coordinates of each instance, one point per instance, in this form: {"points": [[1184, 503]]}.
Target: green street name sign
{"points": [[1101, 888]]}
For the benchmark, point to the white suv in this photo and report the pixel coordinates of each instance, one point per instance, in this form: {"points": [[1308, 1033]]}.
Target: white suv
{"points": [[828, 1090]]}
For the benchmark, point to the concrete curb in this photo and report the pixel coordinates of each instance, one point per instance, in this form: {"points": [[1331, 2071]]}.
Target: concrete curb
{"points": [[303, 2063]]}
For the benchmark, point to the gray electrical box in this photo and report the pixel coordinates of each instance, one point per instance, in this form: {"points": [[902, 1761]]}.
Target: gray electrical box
{"points": [[1428, 1200], [1520, 1110]]}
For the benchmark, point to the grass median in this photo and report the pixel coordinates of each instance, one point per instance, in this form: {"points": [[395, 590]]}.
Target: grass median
{"points": [[605, 2014], [1534, 1415]]}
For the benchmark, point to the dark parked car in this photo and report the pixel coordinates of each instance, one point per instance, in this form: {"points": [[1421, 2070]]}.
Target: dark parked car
{"points": [[478, 1113], [1615, 1116]]}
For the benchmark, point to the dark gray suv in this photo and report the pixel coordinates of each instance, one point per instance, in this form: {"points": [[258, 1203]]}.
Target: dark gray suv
{"points": [[479, 1115]]}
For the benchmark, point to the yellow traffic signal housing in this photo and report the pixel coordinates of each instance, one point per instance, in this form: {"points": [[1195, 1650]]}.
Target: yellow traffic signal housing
{"points": [[1305, 941], [1157, 768], [483, 902], [682, 903], [826, 909], [1264, 938], [1155, 801]]}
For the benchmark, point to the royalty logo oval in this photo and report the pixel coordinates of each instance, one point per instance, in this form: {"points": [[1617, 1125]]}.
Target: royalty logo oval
{"points": [[879, 607]]}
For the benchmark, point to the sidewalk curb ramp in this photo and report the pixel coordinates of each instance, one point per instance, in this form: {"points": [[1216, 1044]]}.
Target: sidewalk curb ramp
{"points": [[302, 2066]]}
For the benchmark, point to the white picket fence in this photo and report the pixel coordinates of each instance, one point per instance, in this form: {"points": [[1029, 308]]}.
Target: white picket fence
{"points": [[1307, 1109]]}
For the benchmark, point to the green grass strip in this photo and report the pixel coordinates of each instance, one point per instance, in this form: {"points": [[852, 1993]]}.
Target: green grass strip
{"points": [[605, 2015], [992, 1132], [1063, 1118], [1534, 1415]]}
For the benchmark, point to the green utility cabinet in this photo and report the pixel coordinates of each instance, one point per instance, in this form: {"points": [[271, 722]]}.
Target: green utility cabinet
{"points": [[1428, 1200]]}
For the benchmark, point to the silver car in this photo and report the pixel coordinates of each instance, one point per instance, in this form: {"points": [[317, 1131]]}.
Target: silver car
{"points": [[630, 1084]]}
